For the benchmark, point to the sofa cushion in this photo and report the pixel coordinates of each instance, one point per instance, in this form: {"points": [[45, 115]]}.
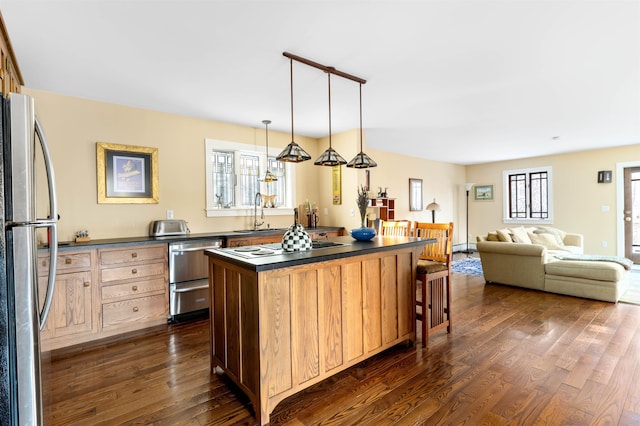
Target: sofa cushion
{"points": [[592, 270], [557, 233], [519, 235], [504, 235], [492, 236], [546, 239]]}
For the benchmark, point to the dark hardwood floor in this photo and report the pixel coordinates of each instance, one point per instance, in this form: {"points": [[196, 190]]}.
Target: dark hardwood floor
{"points": [[515, 357]]}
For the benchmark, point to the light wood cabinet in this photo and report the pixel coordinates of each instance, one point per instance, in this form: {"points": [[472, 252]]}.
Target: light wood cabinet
{"points": [[71, 318], [104, 292], [246, 240], [134, 287], [279, 331], [254, 240], [10, 76]]}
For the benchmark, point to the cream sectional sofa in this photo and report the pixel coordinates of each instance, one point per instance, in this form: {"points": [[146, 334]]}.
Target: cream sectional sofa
{"points": [[529, 257]]}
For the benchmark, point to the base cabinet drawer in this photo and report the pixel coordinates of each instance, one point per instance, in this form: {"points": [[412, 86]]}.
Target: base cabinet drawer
{"points": [[66, 262], [136, 310], [135, 288], [132, 271], [110, 257]]}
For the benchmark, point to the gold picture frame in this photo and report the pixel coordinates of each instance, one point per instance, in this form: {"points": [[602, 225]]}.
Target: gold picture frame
{"points": [[126, 174]]}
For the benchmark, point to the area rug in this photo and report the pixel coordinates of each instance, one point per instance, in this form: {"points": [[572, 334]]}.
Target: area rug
{"points": [[632, 295], [468, 265]]}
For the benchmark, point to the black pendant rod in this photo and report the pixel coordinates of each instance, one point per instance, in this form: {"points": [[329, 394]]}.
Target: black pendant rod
{"points": [[324, 68], [329, 84]]}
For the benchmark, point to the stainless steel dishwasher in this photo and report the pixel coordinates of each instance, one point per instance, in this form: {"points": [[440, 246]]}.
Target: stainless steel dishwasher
{"points": [[189, 278]]}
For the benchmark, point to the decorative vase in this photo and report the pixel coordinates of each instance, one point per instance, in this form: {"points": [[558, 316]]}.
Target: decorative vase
{"points": [[363, 233]]}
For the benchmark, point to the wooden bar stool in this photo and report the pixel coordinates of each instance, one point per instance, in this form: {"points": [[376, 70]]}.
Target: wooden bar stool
{"points": [[434, 274], [395, 228]]}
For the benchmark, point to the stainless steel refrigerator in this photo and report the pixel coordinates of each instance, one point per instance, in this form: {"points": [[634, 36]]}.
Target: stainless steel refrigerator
{"points": [[21, 317]]}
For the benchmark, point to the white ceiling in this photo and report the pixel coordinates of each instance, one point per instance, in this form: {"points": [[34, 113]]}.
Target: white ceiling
{"points": [[456, 81]]}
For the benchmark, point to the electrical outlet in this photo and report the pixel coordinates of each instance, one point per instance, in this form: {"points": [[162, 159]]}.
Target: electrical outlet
{"points": [[169, 214], [353, 213], [604, 244]]}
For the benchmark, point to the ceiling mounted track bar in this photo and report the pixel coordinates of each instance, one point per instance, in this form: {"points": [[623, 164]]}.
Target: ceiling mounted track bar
{"points": [[324, 68]]}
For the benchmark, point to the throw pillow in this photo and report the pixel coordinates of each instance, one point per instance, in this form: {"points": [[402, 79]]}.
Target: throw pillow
{"points": [[558, 234], [492, 236], [503, 235], [519, 235], [546, 239]]}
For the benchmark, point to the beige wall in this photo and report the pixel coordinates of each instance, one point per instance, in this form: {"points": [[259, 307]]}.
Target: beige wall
{"points": [[577, 197], [74, 125], [440, 181]]}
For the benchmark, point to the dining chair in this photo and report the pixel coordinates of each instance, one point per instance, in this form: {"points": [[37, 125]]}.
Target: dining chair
{"points": [[434, 274], [395, 228]]}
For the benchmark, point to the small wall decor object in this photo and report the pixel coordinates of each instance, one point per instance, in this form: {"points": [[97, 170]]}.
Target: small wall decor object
{"points": [[483, 192], [604, 176], [336, 185], [415, 194], [126, 174]]}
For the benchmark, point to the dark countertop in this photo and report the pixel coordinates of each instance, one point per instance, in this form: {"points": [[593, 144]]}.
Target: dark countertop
{"points": [[125, 241], [288, 259]]}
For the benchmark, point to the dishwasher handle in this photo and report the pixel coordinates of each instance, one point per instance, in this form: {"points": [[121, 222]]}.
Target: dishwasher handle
{"points": [[190, 288], [192, 249]]}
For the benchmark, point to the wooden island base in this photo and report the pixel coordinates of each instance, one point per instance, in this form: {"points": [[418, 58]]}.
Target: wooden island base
{"points": [[278, 331]]}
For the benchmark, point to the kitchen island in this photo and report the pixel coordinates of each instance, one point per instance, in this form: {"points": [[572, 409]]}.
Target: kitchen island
{"points": [[281, 322]]}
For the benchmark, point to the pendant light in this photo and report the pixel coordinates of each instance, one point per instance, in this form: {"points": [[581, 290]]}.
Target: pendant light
{"points": [[268, 176], [292, 153], [361, 160], [330, 157]]}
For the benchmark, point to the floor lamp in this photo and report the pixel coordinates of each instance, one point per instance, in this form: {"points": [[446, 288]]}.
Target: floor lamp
{"points": [[433, 207], [467, 187]]}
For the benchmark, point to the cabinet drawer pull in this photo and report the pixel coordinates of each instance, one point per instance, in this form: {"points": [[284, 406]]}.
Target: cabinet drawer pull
{"points": [[67, 261], [134, 271], [135, 309], [134, 254], [87, 284], [134, 288]]}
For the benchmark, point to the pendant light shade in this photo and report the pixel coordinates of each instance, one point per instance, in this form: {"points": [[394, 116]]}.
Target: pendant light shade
{"points": [[330, 157], [268, 176], [361, 160], [292, 153]]}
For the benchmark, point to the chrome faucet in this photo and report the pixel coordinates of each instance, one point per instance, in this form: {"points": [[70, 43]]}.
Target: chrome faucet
{"points": [[258, 199]]}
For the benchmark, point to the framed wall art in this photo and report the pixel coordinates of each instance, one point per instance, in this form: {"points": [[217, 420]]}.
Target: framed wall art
{"points": [[415, 194], [336, 184], [483, 192], [126, 174]]}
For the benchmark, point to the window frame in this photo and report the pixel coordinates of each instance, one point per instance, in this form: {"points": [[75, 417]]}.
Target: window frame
{"points": [[211, 208], [506, 195]]}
